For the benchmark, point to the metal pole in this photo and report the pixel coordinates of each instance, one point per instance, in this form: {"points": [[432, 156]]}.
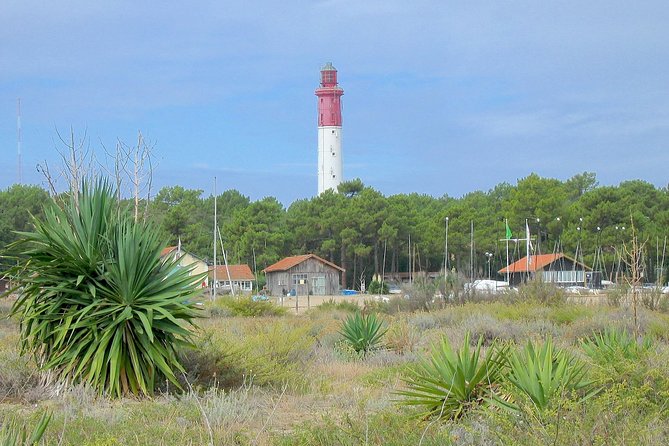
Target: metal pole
{"points": [[213, 288], [446, 253], [471, 253]]}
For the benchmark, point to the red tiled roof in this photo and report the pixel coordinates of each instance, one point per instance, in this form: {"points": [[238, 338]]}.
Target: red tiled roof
{"points": [[167, 250], [289, 262], [238, 272], [537, 262]]}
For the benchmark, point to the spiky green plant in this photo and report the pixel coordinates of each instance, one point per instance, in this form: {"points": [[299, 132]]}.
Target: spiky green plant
{"points": [[97, 304], [543, 374], [14, 433], [363, 333], [449, 383], [615, 345]]}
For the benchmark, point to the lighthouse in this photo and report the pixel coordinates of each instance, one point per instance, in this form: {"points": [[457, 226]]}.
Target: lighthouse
{"points": [[330, 170]]}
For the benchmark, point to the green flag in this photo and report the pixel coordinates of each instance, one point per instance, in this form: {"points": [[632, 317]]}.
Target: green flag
{"points": [[508, 230]]}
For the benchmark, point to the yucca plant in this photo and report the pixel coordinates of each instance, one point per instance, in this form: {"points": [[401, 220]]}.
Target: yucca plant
{"points": [[14, 433], [363, 333], [543, 374], [449, 383], [615, 345], [96, 302]]}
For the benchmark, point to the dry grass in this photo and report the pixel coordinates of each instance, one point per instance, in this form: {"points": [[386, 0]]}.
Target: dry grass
{"points": [[266, 381]]}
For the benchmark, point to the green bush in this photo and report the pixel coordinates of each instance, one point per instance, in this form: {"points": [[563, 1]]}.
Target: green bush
{"points": [[614, 345], [543, 374], [376, 287], [363, 333], [14, 433], [449, 383], [338, 305], [541, 292], [97, 303], [245, 306], [267, 352]]}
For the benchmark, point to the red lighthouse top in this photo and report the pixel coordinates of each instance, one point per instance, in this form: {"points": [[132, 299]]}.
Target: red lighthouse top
{"points": [[329, 97]]}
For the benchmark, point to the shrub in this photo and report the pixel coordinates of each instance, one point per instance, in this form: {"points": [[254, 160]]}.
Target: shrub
{"points": [[338, 305], [14, 433], [542, 374], [269, 352], [97, 303], [542, 292], [401, 337], [450, 382], [363, 333], [247, 307], [615, 345], [376, 287]]}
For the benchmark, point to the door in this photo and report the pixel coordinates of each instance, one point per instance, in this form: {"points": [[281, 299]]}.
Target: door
{"points": [[318, 285]]}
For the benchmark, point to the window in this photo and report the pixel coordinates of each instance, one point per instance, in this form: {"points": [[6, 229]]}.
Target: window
{"points": [[298, 277]]}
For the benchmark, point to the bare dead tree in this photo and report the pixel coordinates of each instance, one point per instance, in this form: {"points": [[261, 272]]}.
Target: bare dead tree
{"points": [[632, 255], [134, 163], [126, 164]]}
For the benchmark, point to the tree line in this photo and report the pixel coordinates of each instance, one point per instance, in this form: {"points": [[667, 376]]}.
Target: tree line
{"points": [[365, 232]]}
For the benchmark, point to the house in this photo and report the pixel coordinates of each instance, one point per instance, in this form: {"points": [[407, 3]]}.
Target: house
{"points": [[303, 274], [187, 260], [240, 278], [552, 268]]}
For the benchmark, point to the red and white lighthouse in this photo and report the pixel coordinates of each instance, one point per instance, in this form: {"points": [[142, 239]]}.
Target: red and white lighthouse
{"points": [[330, 170]]}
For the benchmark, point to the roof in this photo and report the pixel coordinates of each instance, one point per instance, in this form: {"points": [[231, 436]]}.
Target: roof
{"points": [[167, 250], [328, 67], [289, 262], [237, 272], [171, 249], [536, 263]]}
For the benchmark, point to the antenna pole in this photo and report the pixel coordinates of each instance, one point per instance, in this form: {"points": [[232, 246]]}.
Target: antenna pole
{"points": [[19, 139], [213, 288]]}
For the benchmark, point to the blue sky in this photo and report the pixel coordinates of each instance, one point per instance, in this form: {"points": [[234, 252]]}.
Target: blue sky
{"points": [[441, 97]]}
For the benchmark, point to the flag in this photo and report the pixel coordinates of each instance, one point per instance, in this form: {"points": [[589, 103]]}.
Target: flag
{"points": [[508, 230]]}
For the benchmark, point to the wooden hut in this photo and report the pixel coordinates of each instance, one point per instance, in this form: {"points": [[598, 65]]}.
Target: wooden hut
{"points": [[302, 275]]}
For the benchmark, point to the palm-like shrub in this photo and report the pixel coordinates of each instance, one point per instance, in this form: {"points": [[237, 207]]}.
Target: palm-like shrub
{"points": [[615, 345], [544, 374], [14, 433], [451, 382], [363, 333], [97, 304]]}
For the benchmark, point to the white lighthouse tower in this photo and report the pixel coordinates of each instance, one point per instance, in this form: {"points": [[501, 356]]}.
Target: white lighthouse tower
{"points": [[330, 170]]}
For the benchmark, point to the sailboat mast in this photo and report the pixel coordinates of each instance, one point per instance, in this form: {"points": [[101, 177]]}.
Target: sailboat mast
{"points": [[471, 253], [506, 220], [527, 247], [213, 288]]}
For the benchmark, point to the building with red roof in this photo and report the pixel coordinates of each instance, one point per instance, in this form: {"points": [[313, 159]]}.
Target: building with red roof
{"points": [[237, 277], [553, 268], [302, 275]]}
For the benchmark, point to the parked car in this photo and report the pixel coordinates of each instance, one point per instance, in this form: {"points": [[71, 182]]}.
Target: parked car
{"points": [[393, 288]]}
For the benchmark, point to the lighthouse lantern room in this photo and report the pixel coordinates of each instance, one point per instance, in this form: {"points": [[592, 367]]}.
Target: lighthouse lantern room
{"points": [[330, 170]]}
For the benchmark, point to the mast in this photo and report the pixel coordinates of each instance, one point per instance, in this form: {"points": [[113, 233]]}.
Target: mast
{"points": [[471, 253], [19, 137], [225, 261], [213, 288], [446, 254], [527, 248], [506, 220]]}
